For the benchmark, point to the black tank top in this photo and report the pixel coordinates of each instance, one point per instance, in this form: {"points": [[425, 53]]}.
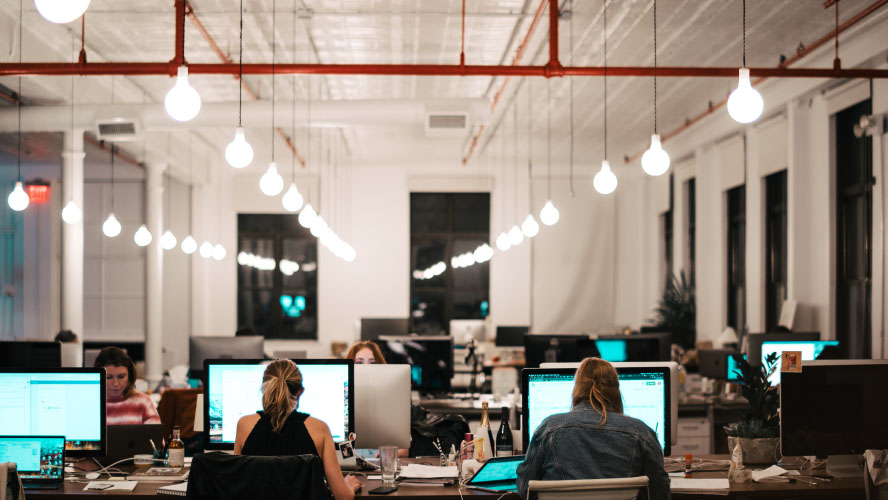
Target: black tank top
{"points": [[294, 438]]}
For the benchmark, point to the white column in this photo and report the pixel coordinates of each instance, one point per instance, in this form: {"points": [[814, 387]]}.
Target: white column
{"points": [[154, 273], [72, 234]]}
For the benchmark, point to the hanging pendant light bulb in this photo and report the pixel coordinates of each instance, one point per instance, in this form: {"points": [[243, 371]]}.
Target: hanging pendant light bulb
{"points": [[111, 227], [18, 199], [206, 249], [239, 153], [219, 252], [71, 214], [502, 242], [655, 161], [168, 240], [318, 226], [143, 236], [182, 102], [529, 227], [745, 104], [515, 235], [605, 182], [307, 216], [189, 245], [549, 214], [293, 199], [271, 183], [61, 11]]}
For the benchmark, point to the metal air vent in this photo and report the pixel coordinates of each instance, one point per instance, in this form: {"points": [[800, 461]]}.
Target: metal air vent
{"points": [[118, 129], [446, 123]]}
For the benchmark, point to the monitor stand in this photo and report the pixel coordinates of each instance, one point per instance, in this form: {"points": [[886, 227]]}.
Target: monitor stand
{"points": [[844, 466]]}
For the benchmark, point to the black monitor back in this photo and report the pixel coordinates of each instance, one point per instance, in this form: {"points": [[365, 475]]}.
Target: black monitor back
{"points": [[23, 354], [755, 340], [91, 348], [557, 348], [430, 358], [373, 328], [645, 346], [511, 336]]}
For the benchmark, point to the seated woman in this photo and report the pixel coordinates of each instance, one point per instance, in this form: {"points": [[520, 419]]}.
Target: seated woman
{"points": [[124, 404], [281, 430], [594, 440], [365, 353]]}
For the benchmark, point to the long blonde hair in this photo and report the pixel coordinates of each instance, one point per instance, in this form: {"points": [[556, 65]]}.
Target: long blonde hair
{"points": [[596, 381], [281, 388]]}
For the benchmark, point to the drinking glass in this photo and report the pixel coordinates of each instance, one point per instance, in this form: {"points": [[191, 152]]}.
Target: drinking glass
{"points": [[388, 463]]}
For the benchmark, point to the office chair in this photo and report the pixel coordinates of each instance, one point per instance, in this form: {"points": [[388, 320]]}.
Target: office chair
{"points": [[10, 482], [220, 476], [622, 488], [178, 407]]}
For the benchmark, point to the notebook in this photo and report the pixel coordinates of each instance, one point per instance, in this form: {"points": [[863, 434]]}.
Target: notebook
{"points": [[40, 460], [159, 474], [178, 489], [498, 475]]}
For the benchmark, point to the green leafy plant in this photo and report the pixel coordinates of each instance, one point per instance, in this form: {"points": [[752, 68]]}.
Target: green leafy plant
{"points": [[760, 419], [677, 311]]}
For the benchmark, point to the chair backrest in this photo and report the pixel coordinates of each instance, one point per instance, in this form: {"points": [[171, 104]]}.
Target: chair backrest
{"points": [[10, 482], [623, 488], [177, 407], [220, 476]]}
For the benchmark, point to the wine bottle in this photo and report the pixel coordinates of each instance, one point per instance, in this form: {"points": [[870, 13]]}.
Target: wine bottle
{"points": [[485, 436], [504, 442]]}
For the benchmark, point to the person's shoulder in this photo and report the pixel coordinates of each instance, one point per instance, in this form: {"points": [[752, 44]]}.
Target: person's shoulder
{"points": [[249, 419], [623, 420], [316, 425]]}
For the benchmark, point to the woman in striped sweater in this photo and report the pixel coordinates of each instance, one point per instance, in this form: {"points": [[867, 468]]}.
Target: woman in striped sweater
{"points": [[124, 404]]}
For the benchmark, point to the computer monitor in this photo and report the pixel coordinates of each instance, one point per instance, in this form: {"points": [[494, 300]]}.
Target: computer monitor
{"points": [[20, 354], [234, 389], [382, 405], [557, 348], [373, 328], [203, 348], [754, 343], [713, 362], [646, 396], [810, 349], [430, 359], [91, 348], [66, 402], [636, 347], [732, 369], [463, 329], [511, 336], [835, 408]]}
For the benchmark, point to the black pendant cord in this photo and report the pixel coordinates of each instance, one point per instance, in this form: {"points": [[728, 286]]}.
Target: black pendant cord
{"points": [[604, 35], [240, 70], [655, 63], [744, 33], [549, 138], [273, 47]]}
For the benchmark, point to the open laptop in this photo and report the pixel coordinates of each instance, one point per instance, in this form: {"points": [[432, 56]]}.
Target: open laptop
{"points": [[125, 441], [498, 475], [40, 460]]}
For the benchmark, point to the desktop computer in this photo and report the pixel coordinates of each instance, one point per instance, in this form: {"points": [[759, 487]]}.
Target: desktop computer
{"points": [[463, 329], [810, 349], [511, 336], [557, 348], [382, 405], [203, 348], [22, 354], [430, 359], [373, 328]]}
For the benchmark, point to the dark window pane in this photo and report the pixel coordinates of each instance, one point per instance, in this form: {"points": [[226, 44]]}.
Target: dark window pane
{"points": [[475, 277], [471, 213], [428, 213], [470, 304], [427, 312], [429, 264]]}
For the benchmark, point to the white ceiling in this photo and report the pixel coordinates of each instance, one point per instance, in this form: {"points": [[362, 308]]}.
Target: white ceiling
{"points": [[690, 32]]}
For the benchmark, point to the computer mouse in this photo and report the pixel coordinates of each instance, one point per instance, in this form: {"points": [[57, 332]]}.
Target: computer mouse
{"points": [[92, 475]]}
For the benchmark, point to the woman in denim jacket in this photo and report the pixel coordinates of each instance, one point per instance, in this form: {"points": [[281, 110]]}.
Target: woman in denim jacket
{"points": [[594, 440]]}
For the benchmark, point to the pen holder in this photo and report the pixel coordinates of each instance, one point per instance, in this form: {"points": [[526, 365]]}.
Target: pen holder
{"points": [[161, 458]]}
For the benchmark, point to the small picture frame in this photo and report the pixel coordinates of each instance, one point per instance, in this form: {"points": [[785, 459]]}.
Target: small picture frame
{"points": [[791, 362]]}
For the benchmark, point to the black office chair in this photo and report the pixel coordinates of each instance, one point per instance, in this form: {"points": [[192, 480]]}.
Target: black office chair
{"points": [[220, 476]]}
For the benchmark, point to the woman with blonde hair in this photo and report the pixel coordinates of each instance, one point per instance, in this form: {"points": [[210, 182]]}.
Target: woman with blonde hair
{"points": [[281, 430], [365, 352], [594, 440]]}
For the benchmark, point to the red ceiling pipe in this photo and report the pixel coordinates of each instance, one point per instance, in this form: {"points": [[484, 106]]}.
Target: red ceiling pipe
{"points": [[553, 67], [179, 58]]}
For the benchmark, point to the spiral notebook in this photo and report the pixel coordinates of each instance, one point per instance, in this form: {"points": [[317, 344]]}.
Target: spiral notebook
{"points": [[177, 489]]}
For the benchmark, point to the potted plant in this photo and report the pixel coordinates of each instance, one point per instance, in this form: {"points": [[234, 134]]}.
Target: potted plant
{"points": [[677, 311], [758, 430]]}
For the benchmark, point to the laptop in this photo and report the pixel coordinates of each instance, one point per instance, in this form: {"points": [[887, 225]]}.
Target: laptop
{"points": [[40, 460], [498, 475], [125, 441]]}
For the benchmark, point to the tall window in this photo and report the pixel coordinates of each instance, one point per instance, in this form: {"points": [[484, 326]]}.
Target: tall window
{"points": [[443, 226], [277, 279], [737, 258], [854, 206], [775, 247], [691, 224]]}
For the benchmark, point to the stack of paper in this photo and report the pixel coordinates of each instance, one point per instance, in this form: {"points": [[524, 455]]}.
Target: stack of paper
{"points": [[700, 486], [419, 471]]}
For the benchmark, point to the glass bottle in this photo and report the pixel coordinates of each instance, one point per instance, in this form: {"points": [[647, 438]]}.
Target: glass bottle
{"points": [[176, 449], [504, 441]]}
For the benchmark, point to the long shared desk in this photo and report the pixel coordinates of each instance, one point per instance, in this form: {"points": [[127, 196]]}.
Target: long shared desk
{"points": [[845, 488]]}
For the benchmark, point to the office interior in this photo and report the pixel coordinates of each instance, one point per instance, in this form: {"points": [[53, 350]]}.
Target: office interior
{"points": [[785, 213]]}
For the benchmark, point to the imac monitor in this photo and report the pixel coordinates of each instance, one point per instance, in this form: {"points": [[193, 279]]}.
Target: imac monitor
{"points": [[430, 359], [558, 348], [613, 350], [511, 336], [463, 329], [834, 408], [18, 354], [66, 402], [373, 328], [713, 362], [811, 350], [91, 348], [203, 348], [646, 396], [234, 389], [755, 340], [637, 347], [382, 405]]}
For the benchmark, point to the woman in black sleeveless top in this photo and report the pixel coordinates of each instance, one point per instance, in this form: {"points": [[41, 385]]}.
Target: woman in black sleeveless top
{"points": [[281, 430]]}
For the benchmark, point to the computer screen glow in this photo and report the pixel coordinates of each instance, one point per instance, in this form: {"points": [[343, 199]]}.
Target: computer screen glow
{"points": [[732, 369], [612, 350], [810, 349], [35, 457]]}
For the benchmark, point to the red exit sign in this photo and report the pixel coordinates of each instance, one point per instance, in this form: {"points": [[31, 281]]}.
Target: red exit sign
{"points": [[38, 193]]}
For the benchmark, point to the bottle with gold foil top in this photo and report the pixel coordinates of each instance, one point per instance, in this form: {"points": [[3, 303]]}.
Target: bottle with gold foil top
{"points": [[483, 433]]}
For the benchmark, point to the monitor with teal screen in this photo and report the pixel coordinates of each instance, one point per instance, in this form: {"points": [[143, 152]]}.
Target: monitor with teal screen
{"points": [[733, 369], [613, 350], [810, 349]]}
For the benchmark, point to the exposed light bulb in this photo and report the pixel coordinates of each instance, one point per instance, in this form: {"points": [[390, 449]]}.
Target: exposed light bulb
{"points": [[502, 242], [239, 153], [143, 236], [168, 240], [189, 245], [318, 226], [350, 253], [549, 214], [307, 216], [61, 11], [71, 214], [111, 227], [605, 182], [529, 227], [206, 249], [292, 199], [745, 104], [655, 161], [18, 199], [219, 252], [182, 102], [271, 183], [515, 235]]}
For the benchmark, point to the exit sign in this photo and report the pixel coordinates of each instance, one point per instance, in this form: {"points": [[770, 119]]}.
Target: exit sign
{"points": [[38, 193]]}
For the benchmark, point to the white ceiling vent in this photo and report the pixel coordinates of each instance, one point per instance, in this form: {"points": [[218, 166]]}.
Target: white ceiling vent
{"points": [[118, 129], [447, 123]]}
